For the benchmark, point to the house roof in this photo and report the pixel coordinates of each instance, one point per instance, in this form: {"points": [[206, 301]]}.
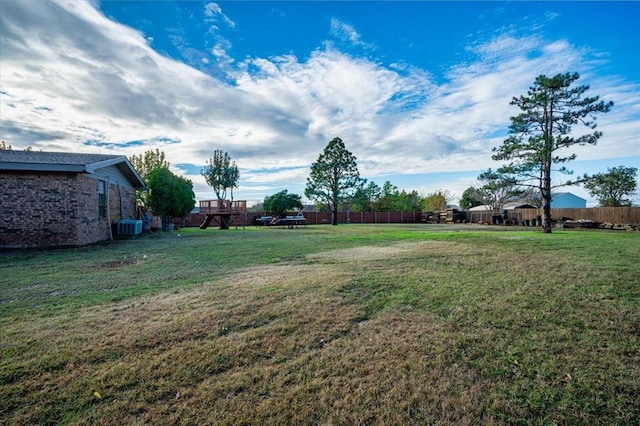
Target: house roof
{"points": [[39, 161], [511, 206], [508, 206], [480, 208], [563, 194]]}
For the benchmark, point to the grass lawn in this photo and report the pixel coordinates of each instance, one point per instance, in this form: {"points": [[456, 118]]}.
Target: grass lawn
{"points": [[354, 324]]}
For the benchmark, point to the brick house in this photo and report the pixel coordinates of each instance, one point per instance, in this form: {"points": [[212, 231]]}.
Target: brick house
{"points": [[57, 199]]}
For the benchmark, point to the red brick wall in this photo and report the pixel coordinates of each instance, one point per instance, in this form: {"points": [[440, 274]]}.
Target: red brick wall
{"points": [[37, 209], [57, 209], [90, 228]]}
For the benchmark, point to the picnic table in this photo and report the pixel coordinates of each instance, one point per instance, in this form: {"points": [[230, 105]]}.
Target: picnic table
{"points": [[262, 220], [289, 221], [292, 221]]}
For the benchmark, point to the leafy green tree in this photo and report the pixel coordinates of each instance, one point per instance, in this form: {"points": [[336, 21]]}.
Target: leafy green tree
{"points": [[365, 197], [281, 202], [388, 198], [221, 174], [334, 177], [145, 164], [470, 198], [496, 189], [541, 134], [436, 201], [170, 195], [393, 200], [408, 201], [612, 188]]}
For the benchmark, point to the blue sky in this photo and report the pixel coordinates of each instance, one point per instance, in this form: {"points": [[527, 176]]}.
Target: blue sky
{"points": [[418, 91]]}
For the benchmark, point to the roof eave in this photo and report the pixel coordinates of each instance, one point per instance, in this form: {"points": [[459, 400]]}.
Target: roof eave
{"points": [[38, 167], [123, 164]]}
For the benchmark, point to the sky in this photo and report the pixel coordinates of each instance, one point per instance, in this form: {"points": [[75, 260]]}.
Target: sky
{"points": [[419, 91]]}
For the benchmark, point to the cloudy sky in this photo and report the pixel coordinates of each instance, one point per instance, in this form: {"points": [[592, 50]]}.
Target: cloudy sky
{"points": [[418, 91]]}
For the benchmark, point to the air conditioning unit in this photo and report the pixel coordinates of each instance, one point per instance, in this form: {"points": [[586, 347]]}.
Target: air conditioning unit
{"points": [[129, 227]]}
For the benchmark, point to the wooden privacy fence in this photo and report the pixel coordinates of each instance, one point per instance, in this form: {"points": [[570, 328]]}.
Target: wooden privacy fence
{"points": [[628, 215], [363, 217], [320, 218], [597, 214]]}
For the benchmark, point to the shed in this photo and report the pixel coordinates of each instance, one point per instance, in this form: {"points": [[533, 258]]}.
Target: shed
{"points": [[567, 200], [57, 199]]}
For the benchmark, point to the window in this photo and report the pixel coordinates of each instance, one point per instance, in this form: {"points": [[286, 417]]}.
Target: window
{"points": [[102, 199]]}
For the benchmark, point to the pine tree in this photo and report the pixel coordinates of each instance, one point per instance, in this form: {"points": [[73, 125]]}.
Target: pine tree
{"points": [[334, 177], [541, 133]]}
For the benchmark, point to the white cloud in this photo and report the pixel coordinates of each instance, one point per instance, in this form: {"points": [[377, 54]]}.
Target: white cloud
{"points": [[220, 52], [346, 33], [214, 13], [102, 82]]}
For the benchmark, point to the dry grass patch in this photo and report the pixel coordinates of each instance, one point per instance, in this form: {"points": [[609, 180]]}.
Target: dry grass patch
{"points": [[279, 343], [373, 253], [418, 332], [172, 341]]}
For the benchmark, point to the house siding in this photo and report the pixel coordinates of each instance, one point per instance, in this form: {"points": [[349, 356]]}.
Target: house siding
{"points": [[567, 200], [47, 209], [111, 175]]}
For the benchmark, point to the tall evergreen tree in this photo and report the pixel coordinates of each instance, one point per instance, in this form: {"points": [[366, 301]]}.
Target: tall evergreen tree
{"points": [[334, 177], [541, 133]]}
